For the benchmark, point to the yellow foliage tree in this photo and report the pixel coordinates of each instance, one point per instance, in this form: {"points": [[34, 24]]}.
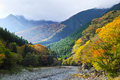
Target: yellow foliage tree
{"points": [[2, 56], [107, 55]]}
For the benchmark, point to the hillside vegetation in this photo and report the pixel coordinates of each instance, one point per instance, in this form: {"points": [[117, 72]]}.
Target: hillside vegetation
{"points": [[64, 47], [102, 50], [16, 52], [75, 22]]}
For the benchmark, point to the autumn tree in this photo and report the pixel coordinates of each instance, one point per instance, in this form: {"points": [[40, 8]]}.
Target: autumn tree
{"points": [[2, 54]]}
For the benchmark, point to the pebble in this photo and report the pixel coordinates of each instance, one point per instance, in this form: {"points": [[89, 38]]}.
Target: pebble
{"points": [[36, 74], [53, 73]]}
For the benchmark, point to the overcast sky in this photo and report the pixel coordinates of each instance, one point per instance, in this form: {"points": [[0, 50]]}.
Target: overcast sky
{"points": [[56, 10]]}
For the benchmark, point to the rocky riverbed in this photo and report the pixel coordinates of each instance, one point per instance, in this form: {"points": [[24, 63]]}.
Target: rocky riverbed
{"points": [[49, 73]]}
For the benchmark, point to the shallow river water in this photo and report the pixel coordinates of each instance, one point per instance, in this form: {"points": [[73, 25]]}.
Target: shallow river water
{"points": [[47, 73], [66, 75]]}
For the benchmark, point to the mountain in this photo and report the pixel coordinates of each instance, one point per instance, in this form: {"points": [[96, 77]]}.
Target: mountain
{"points": [[90, 31], [18, 23], [64, 47], [48, 31], [41, 33], [99, 45], [75, 22]]}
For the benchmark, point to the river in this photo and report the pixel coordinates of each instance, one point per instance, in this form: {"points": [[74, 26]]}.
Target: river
{"points": [[68, 75], [48, 73]]}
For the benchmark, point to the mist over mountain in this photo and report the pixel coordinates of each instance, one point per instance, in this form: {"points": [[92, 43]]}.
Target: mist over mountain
{"points": [[18, 23]]}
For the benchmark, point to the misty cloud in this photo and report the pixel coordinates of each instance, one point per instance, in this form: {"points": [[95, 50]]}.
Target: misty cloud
{"points": [[56, 10]]}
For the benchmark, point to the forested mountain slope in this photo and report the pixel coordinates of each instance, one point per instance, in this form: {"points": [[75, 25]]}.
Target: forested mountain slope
{"points": [[64, 46], [102, 50], [75, 22], [41, 33]]}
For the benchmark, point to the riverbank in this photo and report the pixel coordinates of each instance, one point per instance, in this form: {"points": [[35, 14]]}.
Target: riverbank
{"points": [[51, 73], [33, 74]]}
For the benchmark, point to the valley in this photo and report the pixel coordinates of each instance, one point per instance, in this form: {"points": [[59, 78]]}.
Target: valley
{"points": [[86, 45]]}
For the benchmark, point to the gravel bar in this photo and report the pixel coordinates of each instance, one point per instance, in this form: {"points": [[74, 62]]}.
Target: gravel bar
{"points": [[36, 74]]}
